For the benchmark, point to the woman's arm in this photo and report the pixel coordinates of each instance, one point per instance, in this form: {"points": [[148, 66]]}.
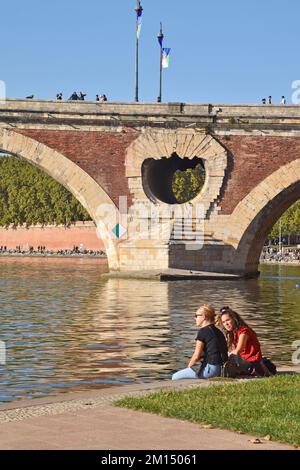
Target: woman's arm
{"points": [[243, 338], [197, 353]]}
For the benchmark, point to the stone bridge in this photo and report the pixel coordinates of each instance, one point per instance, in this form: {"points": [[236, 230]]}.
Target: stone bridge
{"points": [[117, 159]]}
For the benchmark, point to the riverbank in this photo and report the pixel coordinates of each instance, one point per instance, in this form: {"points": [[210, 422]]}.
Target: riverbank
{"points": [[283, 255], [53, 237], [280, 263], [133, 275], [88, 420], [53, 255]]}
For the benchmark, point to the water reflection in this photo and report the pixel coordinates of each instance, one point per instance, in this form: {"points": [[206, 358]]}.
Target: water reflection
{"points": [[67, 329]]}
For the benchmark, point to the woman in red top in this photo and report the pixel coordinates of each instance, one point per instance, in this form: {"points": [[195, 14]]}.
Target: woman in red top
{"points": [[243, 343]]}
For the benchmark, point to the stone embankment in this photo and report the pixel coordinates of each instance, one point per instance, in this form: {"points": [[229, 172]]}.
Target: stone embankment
{"points": [[54, 238]]}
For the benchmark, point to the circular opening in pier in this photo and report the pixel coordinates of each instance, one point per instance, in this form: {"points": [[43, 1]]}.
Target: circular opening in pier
{"points": [[173, 180]]}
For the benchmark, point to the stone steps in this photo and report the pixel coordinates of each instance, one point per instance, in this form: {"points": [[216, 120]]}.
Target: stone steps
{"points": [[180, 234]]}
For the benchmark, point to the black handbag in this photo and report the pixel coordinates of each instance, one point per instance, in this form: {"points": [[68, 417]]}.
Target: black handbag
{"points": [[269, 365]]}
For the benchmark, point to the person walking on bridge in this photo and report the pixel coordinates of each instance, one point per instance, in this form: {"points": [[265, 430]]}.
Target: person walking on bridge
{"points": [[81, 96], [74, 97], [283, 100]]}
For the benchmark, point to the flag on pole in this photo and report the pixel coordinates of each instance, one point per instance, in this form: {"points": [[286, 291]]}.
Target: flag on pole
{"points": [[160, 40], [166, 57], [139, 23]]}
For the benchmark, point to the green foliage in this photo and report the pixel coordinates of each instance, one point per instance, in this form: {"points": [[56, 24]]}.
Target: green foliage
{"points": [[290, 222], [29, 196], [187, 184]]}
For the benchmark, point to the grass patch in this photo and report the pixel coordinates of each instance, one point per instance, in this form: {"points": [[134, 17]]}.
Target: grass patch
{"points": [[260, 407]]}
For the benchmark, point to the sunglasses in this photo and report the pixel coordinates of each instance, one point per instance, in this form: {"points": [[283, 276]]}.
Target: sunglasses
{"points": [[198, 315]]}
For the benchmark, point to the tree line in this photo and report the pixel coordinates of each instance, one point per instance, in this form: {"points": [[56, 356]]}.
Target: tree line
{"points": [[289, 223], [28, 196]]}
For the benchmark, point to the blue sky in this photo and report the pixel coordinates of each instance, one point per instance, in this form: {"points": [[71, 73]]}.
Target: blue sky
{"points": [[229, 51]]}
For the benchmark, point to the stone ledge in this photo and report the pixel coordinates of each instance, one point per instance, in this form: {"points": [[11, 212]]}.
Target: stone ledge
{"points": [[171, 275]]}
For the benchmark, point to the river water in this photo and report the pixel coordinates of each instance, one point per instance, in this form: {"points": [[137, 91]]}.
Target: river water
{"points": [[66, 329]]}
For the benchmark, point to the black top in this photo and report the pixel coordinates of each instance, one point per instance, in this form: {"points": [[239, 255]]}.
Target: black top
{"points": [[215, 347]]}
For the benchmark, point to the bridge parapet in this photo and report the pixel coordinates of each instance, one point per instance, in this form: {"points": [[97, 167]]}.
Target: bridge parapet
{"points": [[219, 118]]}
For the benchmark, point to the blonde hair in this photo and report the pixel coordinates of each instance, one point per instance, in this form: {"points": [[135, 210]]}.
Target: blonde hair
{"points": [[208, 312], [218, 321]]}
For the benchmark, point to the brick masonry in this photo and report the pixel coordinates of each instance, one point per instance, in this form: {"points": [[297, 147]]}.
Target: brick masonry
{"points": [[251, 160], [100, 154]]}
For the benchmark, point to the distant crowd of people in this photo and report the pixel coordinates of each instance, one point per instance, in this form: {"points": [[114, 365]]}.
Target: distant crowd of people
{"points": [[81, 97], [74, 97], [269, 100], [42, 250], [280, 255]]}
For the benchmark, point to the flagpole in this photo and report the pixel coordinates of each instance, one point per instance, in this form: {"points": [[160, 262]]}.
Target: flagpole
{"points": [[137, 70], [160, 37], [138, 10]]}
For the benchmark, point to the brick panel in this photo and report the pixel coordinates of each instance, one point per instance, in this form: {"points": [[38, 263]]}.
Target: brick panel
{"points": [[100, 154], [253, 159]]}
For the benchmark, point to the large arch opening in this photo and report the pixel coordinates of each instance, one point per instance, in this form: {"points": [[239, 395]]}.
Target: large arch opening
{"points": [[28, 196], [39, 216], [173, 180], [254, 238], [286, 231], [83, 187]]}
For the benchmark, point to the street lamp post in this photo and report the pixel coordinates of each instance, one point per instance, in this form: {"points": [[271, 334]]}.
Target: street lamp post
{"points": [[160, 38], [280, 237], [139, 11]]}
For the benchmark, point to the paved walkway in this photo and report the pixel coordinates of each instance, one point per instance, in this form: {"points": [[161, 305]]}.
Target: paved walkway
{"points": [[87, 420]]}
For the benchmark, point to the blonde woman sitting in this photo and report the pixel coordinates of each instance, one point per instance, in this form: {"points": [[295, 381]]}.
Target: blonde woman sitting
{"points": [[210, 346]]}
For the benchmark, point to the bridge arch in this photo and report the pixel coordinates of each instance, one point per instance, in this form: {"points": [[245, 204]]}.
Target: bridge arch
{"points": [[88, 192], [256, 214]]}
